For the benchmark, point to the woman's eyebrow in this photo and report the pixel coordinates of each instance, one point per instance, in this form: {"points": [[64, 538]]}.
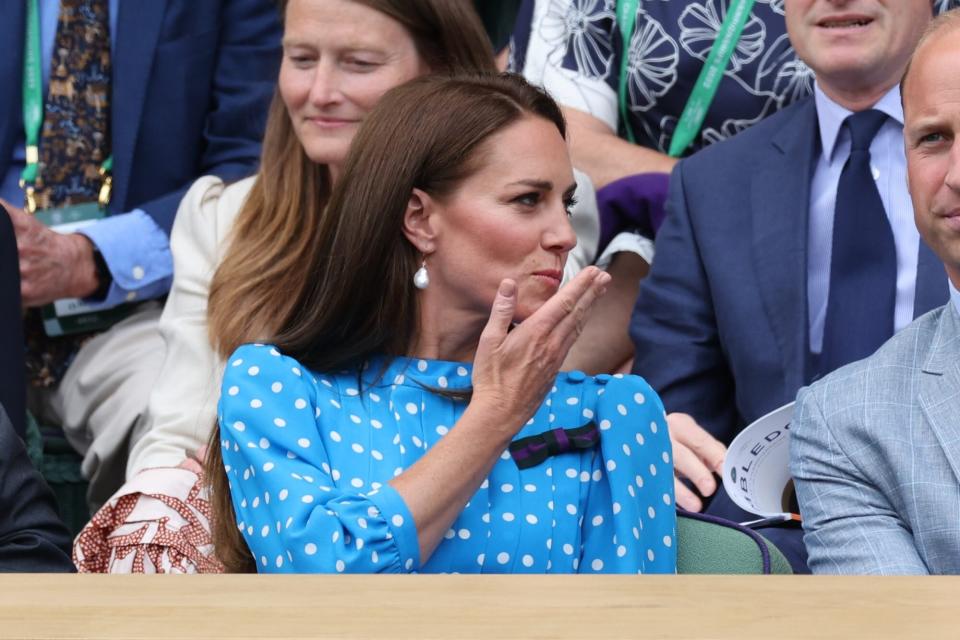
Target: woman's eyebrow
{"points": [[544, 185]]}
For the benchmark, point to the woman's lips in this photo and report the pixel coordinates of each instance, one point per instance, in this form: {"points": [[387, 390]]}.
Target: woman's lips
{"points": [[330, 123], [550, 276]]}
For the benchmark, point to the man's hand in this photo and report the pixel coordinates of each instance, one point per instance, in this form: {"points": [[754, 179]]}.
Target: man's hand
{"points": [[696, 456], [52, 265]]}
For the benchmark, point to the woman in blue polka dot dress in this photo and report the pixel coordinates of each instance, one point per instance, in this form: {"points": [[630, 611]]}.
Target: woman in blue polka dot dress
{"points": [[465, 450]]}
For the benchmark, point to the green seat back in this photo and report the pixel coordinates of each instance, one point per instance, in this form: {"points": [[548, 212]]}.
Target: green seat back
{"points": [[705, 546]]}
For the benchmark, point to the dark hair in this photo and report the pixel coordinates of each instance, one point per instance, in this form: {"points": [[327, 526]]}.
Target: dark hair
{"points": [[428, 135], [358, 297]]}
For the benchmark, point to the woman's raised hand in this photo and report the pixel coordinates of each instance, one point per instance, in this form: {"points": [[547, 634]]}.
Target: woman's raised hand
{"points": [[513, 370]]}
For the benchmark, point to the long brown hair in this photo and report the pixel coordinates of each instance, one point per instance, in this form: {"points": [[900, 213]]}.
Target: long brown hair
{"points": [[358, 297], [253, 289]]}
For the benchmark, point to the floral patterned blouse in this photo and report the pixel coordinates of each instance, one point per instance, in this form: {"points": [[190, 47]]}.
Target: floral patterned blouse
{"points": [[573, 48]]}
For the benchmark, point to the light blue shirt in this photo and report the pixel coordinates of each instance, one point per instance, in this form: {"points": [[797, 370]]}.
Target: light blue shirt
{"points": [[135, 248], [955, 296], [889, 165]]}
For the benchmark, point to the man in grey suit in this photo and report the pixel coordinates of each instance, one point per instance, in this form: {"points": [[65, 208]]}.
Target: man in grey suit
{"points": [[876, 445]]}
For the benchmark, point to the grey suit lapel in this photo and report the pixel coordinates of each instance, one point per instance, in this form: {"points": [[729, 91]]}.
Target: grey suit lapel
{"points": [[138, 28], [780, 209], [940, 386]]}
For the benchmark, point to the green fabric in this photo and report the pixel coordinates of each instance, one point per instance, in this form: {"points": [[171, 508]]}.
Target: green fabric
{"points": [[708, 548], [59, 465], [34, 442]]}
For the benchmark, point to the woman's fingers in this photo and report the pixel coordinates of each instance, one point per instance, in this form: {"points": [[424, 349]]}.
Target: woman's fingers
{"points": [[564, 302], [501, 314], [570, 328]]}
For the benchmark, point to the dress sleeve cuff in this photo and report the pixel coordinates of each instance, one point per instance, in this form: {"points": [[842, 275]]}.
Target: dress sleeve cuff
{"points": [[400, 523]]}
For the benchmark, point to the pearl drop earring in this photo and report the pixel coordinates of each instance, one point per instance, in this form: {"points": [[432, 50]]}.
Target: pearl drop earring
{"points": [[421, 279]]}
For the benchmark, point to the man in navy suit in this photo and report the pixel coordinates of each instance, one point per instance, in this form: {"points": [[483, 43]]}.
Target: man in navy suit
{"points": [[189, 90], [734, 316]]}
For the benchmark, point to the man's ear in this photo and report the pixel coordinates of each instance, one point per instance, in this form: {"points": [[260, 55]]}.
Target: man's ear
{"points": [[418, 221]]}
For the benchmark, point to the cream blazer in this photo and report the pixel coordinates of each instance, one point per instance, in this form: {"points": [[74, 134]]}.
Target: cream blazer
{"points": [[182, 407]]}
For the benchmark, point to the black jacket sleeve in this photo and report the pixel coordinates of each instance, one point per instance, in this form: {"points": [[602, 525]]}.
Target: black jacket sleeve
{"points": [[32, 537], [13, 391]]}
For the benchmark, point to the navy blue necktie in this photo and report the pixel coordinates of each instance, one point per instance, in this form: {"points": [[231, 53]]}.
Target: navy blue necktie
{"points": [[863, 264]]}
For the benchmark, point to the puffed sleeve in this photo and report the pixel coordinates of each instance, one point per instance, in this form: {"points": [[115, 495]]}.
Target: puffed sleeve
{"points": [[297, 510], [630, 521]]}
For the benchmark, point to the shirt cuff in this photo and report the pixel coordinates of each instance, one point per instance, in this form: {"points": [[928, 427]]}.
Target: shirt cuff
{"points": [[395, 513], [630, 242], [137, 252]]}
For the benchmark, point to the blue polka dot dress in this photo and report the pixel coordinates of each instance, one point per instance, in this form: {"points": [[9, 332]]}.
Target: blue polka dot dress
{"points": [[309, 457]]}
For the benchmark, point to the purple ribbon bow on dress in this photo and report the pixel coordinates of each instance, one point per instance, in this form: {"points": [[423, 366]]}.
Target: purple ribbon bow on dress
{"points": [[532, 450]]}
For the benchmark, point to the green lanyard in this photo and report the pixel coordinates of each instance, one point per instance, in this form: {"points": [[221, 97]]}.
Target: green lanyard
{"points": [[706, 87], [33, 113]]}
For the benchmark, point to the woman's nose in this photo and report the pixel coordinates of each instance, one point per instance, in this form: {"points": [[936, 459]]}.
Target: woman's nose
{"points": [[326, 85]]}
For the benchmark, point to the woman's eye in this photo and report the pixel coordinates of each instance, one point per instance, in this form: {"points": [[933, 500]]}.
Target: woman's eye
{"points": [[300, 60], [570, 204], [528, 199], [359, 64]]}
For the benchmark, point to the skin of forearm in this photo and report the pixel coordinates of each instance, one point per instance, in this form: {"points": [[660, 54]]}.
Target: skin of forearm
{"points": [[605, 342], [437, 487], [598, 151]]}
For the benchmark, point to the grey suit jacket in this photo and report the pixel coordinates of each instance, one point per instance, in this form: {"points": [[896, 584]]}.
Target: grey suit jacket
{"points": [[875, 453]]}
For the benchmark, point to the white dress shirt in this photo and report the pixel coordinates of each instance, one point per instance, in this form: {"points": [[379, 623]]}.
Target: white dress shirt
{"points": [[889, 165]]}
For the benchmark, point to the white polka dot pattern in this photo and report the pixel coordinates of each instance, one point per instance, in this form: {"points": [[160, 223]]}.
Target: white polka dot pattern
{"points": [[326, 449]]}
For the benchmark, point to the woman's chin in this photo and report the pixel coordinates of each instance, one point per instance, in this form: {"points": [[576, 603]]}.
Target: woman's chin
{"points": [[328, 151]]}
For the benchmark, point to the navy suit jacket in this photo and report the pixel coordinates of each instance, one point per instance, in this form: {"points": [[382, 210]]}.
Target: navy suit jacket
{"points": [[32, 537], [720, 326], [191, 83]]}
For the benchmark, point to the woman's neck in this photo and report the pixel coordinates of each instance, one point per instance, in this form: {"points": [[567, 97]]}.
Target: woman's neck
{"points": [[445, 333]]}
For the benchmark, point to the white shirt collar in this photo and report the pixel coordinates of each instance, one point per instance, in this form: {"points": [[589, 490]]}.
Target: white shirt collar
{"points": [[831, 115]]}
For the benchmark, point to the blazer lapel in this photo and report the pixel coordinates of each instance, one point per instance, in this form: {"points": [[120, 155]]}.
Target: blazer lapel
{"points": [[12, 30], [138, 28], [780, 202], [932, 290], [940, 386]]}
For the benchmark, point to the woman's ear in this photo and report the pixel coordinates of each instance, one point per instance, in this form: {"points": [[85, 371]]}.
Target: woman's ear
{"points": [[418, 221]]}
